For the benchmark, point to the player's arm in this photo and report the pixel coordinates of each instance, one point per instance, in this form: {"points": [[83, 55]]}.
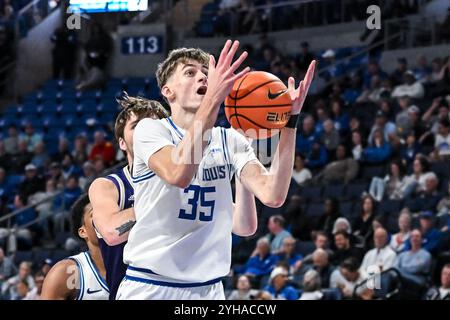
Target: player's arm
{"points": [[245, 220], [271, 186], [111, 222], [61, 281], [178, 164]]}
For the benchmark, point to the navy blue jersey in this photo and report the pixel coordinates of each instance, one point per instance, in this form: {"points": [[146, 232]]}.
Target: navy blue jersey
{"points": [[113, 255]]}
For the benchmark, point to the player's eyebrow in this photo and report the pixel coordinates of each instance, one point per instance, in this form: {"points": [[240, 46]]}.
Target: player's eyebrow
{"points": [[134, 123], [187, 65]]}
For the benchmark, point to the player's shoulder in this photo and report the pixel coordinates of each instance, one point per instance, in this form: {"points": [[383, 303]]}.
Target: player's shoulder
{"points": [[101, 184], [63, 269]]}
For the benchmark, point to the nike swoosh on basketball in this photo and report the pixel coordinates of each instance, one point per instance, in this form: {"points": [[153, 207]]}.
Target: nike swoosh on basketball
{"points": [[272, 96], [89, 291]]}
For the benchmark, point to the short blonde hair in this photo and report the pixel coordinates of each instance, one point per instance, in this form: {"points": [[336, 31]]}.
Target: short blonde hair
{"points": [[181, 55]]}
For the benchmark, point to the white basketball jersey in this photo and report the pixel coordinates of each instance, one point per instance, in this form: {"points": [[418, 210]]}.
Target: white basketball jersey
{"points": [[92, 285], [184, 235]]}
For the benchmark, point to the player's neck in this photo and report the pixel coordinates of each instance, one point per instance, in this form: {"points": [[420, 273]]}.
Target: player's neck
{"points": [[182, 118], [96, 256]]}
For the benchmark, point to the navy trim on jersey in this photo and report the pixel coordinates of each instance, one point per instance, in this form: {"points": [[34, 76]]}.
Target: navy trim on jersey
{"points": [[144, 177], [172, 284], [80, 275], [223, 136], [141, 270], [180, 135], [96, 272]]}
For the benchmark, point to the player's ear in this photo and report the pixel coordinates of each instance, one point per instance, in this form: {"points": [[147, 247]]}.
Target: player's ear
{"points": [[82, 232], [122, 144], [167, 93]]}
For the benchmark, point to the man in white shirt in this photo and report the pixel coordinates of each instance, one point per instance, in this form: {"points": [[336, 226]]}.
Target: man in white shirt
{"points": [[442, 138], [410, 88], [382, 256]]}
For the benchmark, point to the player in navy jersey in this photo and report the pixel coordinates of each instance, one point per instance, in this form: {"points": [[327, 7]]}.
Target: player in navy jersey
{"points": [[112, 196]]}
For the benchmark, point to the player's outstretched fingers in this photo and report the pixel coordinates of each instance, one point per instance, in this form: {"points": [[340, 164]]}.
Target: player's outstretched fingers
{"points": [[291, 84], [224, 51], [240, 74], [212, 63], [238, 62], [231, 53]]}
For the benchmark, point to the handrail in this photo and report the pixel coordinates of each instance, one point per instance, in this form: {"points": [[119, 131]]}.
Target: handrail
{"points": [[27, 7]]}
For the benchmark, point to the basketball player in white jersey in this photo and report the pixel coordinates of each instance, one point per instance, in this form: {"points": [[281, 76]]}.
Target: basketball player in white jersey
{"points": [[79, 277], [180, 246]]}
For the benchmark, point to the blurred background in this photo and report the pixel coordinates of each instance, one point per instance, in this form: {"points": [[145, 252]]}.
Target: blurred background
{"points": [[372, 151]]}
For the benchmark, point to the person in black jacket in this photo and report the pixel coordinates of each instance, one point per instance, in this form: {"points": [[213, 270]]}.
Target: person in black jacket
{"points": [[329, 216]]}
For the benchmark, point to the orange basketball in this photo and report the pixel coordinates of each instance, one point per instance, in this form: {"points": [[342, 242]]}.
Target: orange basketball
{"points": [[258, 104]]}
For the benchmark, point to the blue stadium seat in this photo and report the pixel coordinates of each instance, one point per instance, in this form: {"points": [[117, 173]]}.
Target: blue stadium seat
{"points": [[89, 95], [346, 207], [311, 193], [333, 191], [21, 256], [441, 169], [14, 179], [315, 209], [304, 247], [40, 255], [355, 190], [390, 206]]}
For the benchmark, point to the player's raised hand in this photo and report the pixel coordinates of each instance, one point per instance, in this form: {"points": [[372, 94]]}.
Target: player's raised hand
{"points": [[221, 75], [298, 95]]}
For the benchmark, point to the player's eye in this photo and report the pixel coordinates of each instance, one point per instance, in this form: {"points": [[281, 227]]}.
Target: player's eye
{"points": [[189, 73]]}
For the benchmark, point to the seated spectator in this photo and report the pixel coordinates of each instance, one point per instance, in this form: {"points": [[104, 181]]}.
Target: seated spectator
{"points": [[322, 265], [4, 157], [45, 209], [298, 224], [442, 138], [333, 70], [342, 224], [410, 149], [40, 158], [55, 173], [102, 148], [288, 254], [278, 285], [363, 223], [373, 69], [436, 66], [428, 198], [378, 89], [277, 233], [320, 240], [35, 293], [64, 201], [443, 206], [33, 182], [413, 125], [330, 136], [414, 265], [261, 262], [300, 173], [31, 138], [79, 153], [344, 169], [443, 291], [431, 236], [20, 159], [344, 248], [7, 267], [311, 286], [433, 120], [305, 57], [410, 87], [5, 187], [317, 157], [63, 149], [9, 287], [400, 239], [392, 185], [307, 136], [402, 67], [417, 180], [422, 71], [88, 175], [69, 168], [386, 127], [379, 151], [243, 290], [347, 277], [12, 141], [357, 145], [330, 215], [341, 119], [22, 289], [382, 256], [354, 91]]}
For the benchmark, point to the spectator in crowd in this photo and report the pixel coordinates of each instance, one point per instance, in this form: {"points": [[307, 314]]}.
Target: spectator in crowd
{"points": [[40, 158], [22, 289], [35, 293], [433, 120], [407, 122], [9, 287], [378, 89], [79, 153], [63, 149], [21, 158], [357, 145], [307, 136], [414, 265], [352, 93], [431, 236], [379, 151], [277, 233], [363, 223], [402, 67], [300, 173], [442, 138], [401, 238], [88, 175], [330, 136], [347, 277], [344, 248], [33, 182], [243, 290], [24, 236], [410, 149], [392, 185], [317, 157], [387, 128], [289, 255], [417, 180], [443, 206], [4, 157], [373, 70], [102, 149], [443, 291], [31, 138], [5, 187], [428, 198], [305, 57], [322, 265], [422, 71], [320, 240], [410, 87], [7, 267], [45, 209], [343, 170], [341, 119], [330, 215], [297, 222], [69, 168], [99, 166], [382, 256], [55, 173], [311, 286], [261, 262], [436, 66], [12, 141], [64, 201], [342, 224], [278, 285], [64, 52], [333, 69]]}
